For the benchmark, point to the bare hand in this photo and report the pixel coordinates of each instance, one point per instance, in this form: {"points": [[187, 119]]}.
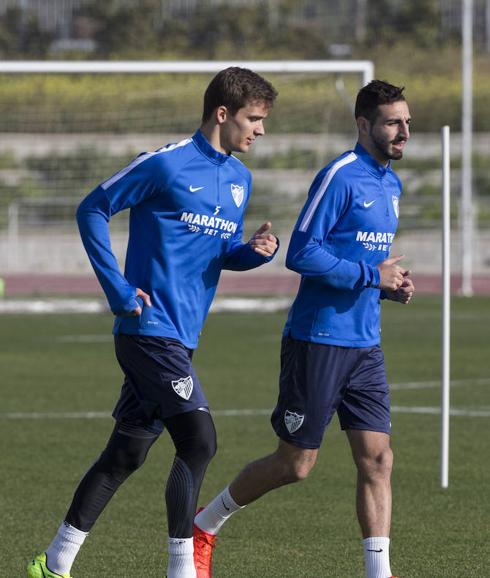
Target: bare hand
{"points": [[263, 242], [404, 293], [391, 275], [146, 300]]}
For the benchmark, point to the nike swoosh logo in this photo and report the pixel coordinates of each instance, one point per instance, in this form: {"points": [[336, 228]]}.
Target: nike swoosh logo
{"points": [[194, 189], [380, 550], [224, 505], [367, 205]]}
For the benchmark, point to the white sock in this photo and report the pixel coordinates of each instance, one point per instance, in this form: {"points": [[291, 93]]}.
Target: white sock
{"points": [[217, 512], [377, 557], [62, 551], [181, 558]]}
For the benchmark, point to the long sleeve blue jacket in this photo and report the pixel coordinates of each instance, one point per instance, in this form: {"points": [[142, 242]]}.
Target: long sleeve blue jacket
{"points": [[344, 231], [186, 203]]}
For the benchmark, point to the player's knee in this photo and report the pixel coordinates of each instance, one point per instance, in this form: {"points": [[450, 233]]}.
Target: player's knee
{"points": [[300, 472], [377, 465], [118, 462], [205, 448], [194, 437], [296, 463], [296, 470], [134, 460], [126, 450], [198, 449]]}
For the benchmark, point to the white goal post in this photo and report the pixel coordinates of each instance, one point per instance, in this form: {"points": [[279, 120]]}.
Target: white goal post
{"points": [[363, 67]]}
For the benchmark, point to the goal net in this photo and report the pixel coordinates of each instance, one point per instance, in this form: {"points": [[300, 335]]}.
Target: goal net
{"points": [[67, 126]]}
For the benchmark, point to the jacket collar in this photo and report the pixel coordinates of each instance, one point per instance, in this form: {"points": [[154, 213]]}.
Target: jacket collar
{"points": [[209, 151], [371, 163]]}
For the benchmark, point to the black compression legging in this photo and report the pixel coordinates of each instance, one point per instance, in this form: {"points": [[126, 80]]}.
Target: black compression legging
{"points": [[194, 437]]}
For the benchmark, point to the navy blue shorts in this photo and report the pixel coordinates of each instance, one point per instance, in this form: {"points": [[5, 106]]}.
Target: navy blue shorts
{"points": [[318, 380], [159, 380]]}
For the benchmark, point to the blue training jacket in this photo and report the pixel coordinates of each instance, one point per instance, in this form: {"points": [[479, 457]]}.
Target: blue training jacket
{"points": [[187, 203], [344, 231]]}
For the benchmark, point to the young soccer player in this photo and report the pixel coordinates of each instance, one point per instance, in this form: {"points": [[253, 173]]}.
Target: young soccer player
{"points": [[331, 359], [187, 203]]}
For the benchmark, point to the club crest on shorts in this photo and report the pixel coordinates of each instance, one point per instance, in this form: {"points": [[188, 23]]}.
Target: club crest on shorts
{"points": [[183, 386], [293, 420], [237, 192], [395, 200]]}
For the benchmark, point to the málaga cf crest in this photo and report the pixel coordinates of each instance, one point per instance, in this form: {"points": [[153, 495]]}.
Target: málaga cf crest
{"points": [[183, 386], [293, 420], [237, 192], [395, 199]]}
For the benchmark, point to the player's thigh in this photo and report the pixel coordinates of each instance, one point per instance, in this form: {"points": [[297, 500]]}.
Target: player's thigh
{"points": [[311, 384], [160, 375], [365, 404]]}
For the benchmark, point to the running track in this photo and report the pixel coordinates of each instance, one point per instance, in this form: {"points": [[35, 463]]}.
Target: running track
{"points": [[231, 283]]}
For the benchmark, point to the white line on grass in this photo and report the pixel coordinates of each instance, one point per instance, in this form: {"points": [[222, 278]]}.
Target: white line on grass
{"points": [[228, 413], [55, 415], [437, 410], [432, 384]]}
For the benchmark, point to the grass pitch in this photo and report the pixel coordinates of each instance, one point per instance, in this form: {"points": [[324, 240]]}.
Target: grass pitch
{"points": [[56, 368]]}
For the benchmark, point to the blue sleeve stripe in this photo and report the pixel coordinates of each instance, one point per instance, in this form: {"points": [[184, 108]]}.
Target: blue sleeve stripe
{"points": [[322, 189]]}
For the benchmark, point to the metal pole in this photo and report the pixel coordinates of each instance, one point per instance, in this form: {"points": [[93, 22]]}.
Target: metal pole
{"points": [[487, 25], [467, 220], [446, 305]]}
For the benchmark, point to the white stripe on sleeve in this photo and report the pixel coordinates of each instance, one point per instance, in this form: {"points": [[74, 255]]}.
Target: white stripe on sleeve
{"points": [[322, 189], [138, 160]]}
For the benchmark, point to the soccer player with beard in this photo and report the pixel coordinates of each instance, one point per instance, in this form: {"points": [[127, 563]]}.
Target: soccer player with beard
{"points": [[331, 360]]}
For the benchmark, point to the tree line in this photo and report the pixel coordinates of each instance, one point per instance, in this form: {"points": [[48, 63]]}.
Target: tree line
{"points": [[267, 29]]}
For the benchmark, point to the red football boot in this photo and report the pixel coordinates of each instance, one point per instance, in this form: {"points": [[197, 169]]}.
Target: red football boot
{"points": [[203, 551]]}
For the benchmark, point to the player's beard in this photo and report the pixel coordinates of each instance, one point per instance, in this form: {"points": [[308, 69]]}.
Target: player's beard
{"points": [[384, 147]]}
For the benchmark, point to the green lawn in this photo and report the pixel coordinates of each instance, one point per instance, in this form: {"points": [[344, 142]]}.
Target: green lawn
{"points": [[64, 363]]}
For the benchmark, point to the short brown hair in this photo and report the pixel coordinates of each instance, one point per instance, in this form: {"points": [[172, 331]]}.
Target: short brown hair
{"points": [[235, 87], [373, 94]]}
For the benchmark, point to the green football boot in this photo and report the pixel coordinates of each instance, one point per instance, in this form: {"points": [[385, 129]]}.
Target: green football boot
{"points": [[38, 569]]}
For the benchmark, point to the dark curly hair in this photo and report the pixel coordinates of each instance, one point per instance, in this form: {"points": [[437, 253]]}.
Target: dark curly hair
{"points": [[235, 87], [373, 94]]}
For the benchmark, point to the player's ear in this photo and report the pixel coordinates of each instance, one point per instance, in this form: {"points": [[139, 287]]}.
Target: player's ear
{"points": [[221, 114], [363, 125]]}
